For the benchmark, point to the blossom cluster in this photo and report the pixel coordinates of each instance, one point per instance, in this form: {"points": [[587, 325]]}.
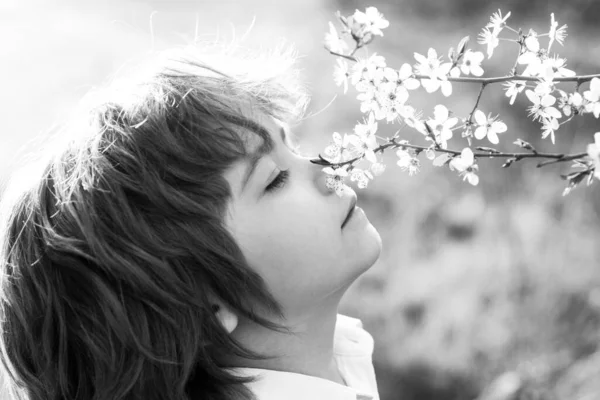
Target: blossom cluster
{"points": [[384, 93]]}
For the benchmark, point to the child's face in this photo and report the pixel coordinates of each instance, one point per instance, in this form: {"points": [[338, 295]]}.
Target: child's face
{"points": [[292, 236]]}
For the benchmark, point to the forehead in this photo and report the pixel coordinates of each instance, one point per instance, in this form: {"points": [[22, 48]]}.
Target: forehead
{"points": [[260, 138]]}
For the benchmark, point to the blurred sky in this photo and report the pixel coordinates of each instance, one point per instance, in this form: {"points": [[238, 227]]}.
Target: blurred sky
{"points": [[55, 51]]}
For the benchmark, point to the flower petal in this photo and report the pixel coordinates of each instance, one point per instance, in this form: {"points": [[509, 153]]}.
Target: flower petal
{"points": [[480, 132], [440, 113], [480, 117]]}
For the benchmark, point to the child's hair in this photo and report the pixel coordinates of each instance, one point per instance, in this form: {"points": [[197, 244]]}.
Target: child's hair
{"points": [[108, 255]]}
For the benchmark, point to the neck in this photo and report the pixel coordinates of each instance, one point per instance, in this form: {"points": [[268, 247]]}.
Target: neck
{"points": [[309, 351]]}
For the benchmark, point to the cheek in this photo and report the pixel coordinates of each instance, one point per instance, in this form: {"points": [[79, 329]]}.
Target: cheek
{"points": [[292, 251]]}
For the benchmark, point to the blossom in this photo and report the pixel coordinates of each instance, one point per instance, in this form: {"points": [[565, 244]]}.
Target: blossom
{"points": [[549, 126], [340, 74], [570, 103], [335, 148], [497, 22], [542, 105], [490, 38], [369, 101], [593, 150], [593, 97], [555, 68], [471, 63], [364, 140], [333, 42], [513, 88], [402, 77], [408, 162], [488, 126], [372, 19], [377, 168], [465, 164], [366, 68], [368, 128], [362, 176], [441, 125], [390, 109], [531, 55], [335, 179], [556, 34], [437, 72]]}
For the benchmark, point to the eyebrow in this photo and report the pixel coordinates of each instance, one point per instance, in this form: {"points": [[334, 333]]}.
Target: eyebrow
{"points": [[255, 157]]}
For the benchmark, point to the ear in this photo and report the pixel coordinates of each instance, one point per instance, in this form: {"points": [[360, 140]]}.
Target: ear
{"points": [[228, 319]]}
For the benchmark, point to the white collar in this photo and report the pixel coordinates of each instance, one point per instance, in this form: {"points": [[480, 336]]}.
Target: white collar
{"points": [[353, 349]]}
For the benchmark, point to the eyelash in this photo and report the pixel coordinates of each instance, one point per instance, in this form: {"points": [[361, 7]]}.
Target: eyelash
{"points": [[279, 181]]}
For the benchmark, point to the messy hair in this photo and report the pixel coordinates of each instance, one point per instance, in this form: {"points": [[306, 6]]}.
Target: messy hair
{"points": [[109, 253]]}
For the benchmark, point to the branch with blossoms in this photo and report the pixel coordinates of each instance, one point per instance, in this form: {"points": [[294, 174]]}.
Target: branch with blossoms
{"points": [[384, 93]]}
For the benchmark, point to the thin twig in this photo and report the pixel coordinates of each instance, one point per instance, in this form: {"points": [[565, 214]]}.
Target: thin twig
{"points": [[476, 103], [518, 156]]}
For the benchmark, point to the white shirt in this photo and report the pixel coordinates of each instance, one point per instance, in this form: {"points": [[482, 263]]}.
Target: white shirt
{"points": [[353, 352]]}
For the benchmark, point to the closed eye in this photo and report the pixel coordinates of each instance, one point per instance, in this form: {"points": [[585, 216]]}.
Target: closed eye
{"points": [[279, 181]]}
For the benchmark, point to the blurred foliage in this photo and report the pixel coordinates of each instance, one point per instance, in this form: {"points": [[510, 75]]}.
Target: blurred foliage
{"points": [[487, 293]]}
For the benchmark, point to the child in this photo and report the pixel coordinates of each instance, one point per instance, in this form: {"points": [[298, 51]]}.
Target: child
{"points": [[178, 246]]}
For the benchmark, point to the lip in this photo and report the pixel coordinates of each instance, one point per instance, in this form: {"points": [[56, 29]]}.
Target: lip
{"points": [[351, 208]]}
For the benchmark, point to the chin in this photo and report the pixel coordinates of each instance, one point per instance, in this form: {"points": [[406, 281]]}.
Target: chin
{"points": [[367, 252]]}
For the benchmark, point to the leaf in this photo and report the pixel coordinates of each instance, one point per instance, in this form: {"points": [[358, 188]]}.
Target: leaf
{"points": [[524, 144], [462, 46], [442, 159], [342, 19], [488, 149], [451, 54], [509, 162]]}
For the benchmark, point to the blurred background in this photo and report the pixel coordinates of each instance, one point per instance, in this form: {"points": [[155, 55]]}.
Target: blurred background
{"points": [[489, 292]]}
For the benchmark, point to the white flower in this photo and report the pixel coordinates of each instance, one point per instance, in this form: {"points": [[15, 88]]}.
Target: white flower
{"points": [[432, 67], [367, 68], [542, 106], [531, 55], [488, 126], [465, 164], [368, 101], [555, 67], [532, 44], [334, 150], [571, 102], [593, 150], [365, 141], [402, 77], [368, 128], [490, 38], [556, 34], [441, 125], [391, 110], [544, 87], [372, 19], [549, 126], [340, 74], [335, 179], [362, 176], [377, 168], [593, 96], [471, 63], [408, 162], [497, 22], [513, 88], [333, 42]]}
